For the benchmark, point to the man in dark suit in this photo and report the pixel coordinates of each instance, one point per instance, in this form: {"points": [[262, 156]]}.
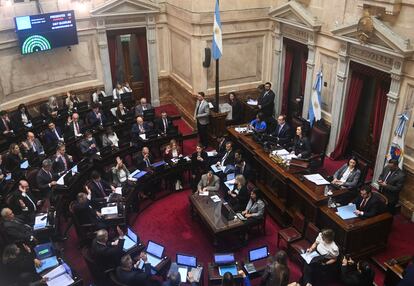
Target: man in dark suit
{"points": [[23, 203], [74, 126], [85, 213], [139, 128], [242, 167], [22, 117], [140, 108], [391, 182], [62, 162], [368, 204], [228, 156], [53, 135], [107, 254], [88, 145], [14, 229], [144, 159], [99, 188], [221, 148], [283, 132], [164, 123], [46, 179], [95, 118], [130, 274], [266, 101], [6, 125]]}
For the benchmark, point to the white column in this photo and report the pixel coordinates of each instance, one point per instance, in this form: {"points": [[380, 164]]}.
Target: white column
{"points": [[310, 67], [277, 70], [387, 126], [152, 61], [104, 54], [339, 97]]}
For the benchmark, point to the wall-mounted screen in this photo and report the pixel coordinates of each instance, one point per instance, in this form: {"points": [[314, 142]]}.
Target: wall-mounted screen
{"points": [[44, 32]]}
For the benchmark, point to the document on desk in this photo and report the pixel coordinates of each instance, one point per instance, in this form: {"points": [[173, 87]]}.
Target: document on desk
{"points": [[252, 102], [212, 153], [308, 256], [230, 184], [241, 129], [215, 198], [109, 210], [61, 181], [118, 190], [40, 221], [202, 193], [281, 152], [347, 212], [317, 179], [55, 272], [216, 168], [62, 280], [143, 137]]}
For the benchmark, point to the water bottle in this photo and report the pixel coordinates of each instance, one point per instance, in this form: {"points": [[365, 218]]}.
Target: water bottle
{"points": [[325, 191]]}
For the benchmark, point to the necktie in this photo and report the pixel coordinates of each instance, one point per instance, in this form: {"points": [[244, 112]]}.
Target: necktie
{"points": [[77, 128], [101, 188], [57, 135], [147, 162], [198, 108], [224, 158], [141, 129], [6, 125], [364, 202], [64, 162], [34, 147], [280, 129], [165, 124], [34, 205], [50, 175], [386, 177]]}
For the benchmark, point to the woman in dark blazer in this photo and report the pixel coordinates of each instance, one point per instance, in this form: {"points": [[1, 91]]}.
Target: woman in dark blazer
{"points": [[348, 175], [239, 196], [236, 109], [301, 144], [22, 116], [121, 112]]}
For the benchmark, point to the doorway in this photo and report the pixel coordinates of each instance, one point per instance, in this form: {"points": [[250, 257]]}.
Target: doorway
{"points": [[128, 57]]}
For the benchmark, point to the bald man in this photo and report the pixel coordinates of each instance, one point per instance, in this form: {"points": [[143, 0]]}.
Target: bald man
{"points": [[144, 159], [15, 230], [33, 145]]}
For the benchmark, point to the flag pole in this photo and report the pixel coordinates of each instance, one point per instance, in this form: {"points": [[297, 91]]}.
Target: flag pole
{"points": [[216, 108]]}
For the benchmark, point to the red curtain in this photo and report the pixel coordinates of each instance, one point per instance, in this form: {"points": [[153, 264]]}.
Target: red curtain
{"points": [[112, 57], [380, 103], [143, 59], [354, 94], [303, 77], [286, 82]]}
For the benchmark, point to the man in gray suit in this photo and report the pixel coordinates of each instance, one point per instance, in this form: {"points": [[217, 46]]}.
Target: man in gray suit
{"points": [[32, 144], [209, 183], [201, 115], [391, 182], [140, 108]]}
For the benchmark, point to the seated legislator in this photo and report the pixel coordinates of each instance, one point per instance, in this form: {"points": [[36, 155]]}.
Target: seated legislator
{"points": [[6, 124], [85, 213], [95, 118], [368, 204], [22, 117], [106, 254], [23, 204], [173, 151], [277, 270], [208, 183], [52, 108], [198, 165], [356, 274], [228, 156], [109, 138], [14, 229], [391, 182], [126, 87], [258, 124], [118, 91], [46, 179], [121, 112], [19, 263], [99, 188], [239, 196], [255, 209], [144, 159], [13, 159], [348, 175], [140, 108], [71, 101], [221, 147], [228, 279], [120, 173], [326, 246], [129, 274], [301, 144], [32, 145], [236, 109], [174, 277], [241, 166], [283, 132], [75, 126], [163, 123], [88, 145], [62, 162], [53, 135], [139, 128], [98, 94]]}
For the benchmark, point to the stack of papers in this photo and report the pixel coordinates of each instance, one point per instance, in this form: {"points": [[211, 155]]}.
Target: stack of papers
{"points": [[309, 256], [252, 102], [212, 153], [109, 210], [143, 137], [201, 193], [58, 277], [241, 129], [217, 169], [317, 179], [40, 221], [284, 154], [61, 181], [347, 212], [215, 198]]}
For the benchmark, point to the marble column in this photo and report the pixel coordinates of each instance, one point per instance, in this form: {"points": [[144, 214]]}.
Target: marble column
{"points": [[310, 67], [152, 61], [339, 97], [277, 71], [104, 54], [388, 125]]}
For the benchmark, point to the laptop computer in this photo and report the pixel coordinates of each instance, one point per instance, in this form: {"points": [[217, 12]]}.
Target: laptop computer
{"points": [[24, 165], [226, 263], [131, 240], [227, 212], [255, 255], [107, 99], [158, 165], [155, 253], [151, 134], [188, 263], [230, 176], [44, 250]]}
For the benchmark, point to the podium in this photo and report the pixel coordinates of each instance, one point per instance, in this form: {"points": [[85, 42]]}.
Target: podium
{"points": [[216, 127]]}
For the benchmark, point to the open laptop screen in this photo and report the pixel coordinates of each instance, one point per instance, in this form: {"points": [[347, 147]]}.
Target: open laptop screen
{"points": [[187, 260], [258, 253], [224, 258], [155, 249], [132, 235]]}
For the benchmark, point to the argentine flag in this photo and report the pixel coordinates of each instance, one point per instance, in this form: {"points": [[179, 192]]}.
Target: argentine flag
{"points": [[217, 43], [315, 112]]}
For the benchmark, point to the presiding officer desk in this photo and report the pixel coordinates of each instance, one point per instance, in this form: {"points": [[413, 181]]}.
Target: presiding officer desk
{"points": [[286, 191]]}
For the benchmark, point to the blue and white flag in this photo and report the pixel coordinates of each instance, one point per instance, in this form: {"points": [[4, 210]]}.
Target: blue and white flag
{"points": [[397, 145], [217, 34], [315, 112]]}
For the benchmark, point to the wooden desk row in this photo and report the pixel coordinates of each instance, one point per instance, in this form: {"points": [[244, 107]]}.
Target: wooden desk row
{"points": [[286, 192]]}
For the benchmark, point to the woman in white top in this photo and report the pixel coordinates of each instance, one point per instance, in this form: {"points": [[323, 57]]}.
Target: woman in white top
{"points": [[118, 90], [327, 248], [71, 101], [120, 173], [97, 94], [126, 87], [52, 107], [348, 175], [110, 138]]}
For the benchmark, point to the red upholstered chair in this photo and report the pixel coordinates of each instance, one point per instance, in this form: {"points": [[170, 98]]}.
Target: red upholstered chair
{"points": [[294, 232], [296, 248]]}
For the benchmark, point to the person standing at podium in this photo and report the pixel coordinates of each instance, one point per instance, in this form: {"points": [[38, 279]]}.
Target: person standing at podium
{"points": [[201, 115]]}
